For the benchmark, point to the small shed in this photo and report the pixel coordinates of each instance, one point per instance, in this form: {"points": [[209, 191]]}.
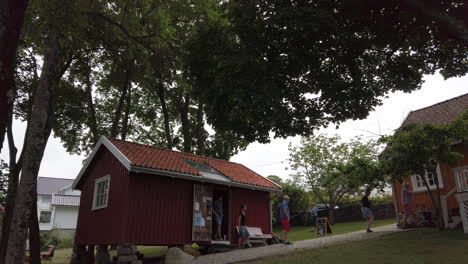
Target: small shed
{"points": [[137, 194]]}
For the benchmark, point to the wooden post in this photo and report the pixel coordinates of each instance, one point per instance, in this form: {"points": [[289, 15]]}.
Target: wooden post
{"points": [[90, 254], [79, 254], [102, 255]]}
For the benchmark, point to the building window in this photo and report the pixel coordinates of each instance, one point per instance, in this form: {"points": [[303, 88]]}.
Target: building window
{"points": [[46, 199], [418, 183], [101, 192], [45, 216]]}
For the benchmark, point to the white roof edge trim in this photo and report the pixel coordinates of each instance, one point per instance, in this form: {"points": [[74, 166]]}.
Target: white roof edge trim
{"points": [[187, 176], [113, 149]]}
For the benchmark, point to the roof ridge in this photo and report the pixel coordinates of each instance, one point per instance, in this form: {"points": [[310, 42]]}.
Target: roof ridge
{"points": [[175, 151], [442, 102], [55, 178]]}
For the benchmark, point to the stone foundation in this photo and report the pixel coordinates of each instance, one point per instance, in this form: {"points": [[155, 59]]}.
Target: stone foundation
{"points": [[127, 254]]}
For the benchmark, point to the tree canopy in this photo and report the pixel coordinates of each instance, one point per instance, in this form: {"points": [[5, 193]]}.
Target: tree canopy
{"points": [[288, 67]]}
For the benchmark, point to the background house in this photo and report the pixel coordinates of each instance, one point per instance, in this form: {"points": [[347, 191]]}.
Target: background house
{"points": [[57, 205], [453, 180]]}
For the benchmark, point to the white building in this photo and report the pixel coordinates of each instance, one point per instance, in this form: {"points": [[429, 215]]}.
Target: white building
{"points": [[57, 205]]}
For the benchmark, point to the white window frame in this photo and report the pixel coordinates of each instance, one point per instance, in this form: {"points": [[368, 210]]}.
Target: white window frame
{"points": [[50, 219], [95, 194], [422, 188]]}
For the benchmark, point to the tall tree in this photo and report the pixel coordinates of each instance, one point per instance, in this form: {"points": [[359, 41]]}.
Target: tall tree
{"points": [[332, 169], [11, 20]]}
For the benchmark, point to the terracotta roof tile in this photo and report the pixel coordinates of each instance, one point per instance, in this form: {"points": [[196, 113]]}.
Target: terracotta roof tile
{"points": [[440, 113], [169, 160]]}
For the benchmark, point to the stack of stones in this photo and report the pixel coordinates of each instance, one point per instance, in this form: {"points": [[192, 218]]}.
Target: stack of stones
{"points": [[127, 254]]}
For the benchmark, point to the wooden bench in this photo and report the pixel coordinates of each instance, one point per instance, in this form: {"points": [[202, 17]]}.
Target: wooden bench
{"points": [[256, 235], [48, 255]]}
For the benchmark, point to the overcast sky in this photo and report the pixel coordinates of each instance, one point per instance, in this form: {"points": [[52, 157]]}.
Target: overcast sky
{"points": [[271, 159]]}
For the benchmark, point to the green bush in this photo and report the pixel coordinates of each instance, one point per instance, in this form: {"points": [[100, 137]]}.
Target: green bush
{"points": [[298, 204], [50, 238], [375, 200]]}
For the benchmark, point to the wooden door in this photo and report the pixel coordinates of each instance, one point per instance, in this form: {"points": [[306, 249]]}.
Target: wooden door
{"points": [[202, 212]]}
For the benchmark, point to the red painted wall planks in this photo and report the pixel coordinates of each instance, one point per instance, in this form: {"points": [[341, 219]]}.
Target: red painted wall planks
{"points": [[107, 225], [258, 210]]}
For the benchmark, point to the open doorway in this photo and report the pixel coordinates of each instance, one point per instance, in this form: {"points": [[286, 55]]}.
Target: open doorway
{"points": [[220, 225]]}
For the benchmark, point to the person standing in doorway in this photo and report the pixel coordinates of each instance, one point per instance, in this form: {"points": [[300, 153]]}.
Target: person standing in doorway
{"points": [[218, 212], [285, 218], [407, 202], [366, 210], [314, 214], [243, 232]]}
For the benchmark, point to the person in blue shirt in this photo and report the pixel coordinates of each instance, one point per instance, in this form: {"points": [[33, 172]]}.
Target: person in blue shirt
{"points": [[314, 213], [285, 218]]}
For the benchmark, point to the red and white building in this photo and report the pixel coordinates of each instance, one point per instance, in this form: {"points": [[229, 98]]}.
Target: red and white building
{"points": [[453, 179]]}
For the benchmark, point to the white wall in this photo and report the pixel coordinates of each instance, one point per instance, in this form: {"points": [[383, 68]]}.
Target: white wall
{"points": [[43, 204], [65, 217]]}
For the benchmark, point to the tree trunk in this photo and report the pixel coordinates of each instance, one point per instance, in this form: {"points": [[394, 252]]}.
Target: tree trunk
{"points": [[11, 21], [167, 127], [92, 124], [118, 110], [34, 235], [12, 186], [184, 118], [39, 125], [200, 130], [435, 205], [128, 103], [331, 214], [439, 201]]}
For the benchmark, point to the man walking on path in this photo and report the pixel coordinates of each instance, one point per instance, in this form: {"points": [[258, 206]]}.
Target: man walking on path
{"points": [[366, 211], [314, 213], [285, 218]]}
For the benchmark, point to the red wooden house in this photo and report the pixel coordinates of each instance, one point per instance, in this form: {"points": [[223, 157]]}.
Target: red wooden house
{"points": [[142, 195], [452, 179]]}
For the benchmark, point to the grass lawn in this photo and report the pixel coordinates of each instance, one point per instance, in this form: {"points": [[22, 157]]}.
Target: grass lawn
{"points": [[305, 232], [63, 256], [297, 233], [420, 246]]}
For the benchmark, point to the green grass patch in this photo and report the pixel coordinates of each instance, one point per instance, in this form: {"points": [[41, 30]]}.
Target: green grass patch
{"points": [[305, 232], [416, 247], [63, 256], [297, 233]]}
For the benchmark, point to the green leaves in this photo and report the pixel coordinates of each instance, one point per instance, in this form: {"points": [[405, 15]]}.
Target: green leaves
{"points": [[290, 67], [333, 169]]}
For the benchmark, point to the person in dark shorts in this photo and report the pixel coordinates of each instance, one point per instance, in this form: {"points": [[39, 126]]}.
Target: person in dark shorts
{"points": [[285, 217], [243, 232], [218, 212], [366, 210]]}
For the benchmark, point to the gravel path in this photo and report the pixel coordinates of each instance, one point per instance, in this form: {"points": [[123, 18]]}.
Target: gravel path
{"points": [[267, 251]]}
